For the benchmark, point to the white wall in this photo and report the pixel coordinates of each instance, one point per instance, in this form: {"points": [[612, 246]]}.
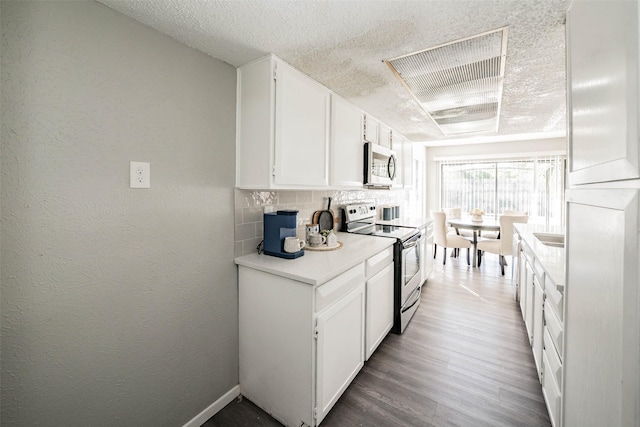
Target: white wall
{"points": [[119, 306], [497, 149]]}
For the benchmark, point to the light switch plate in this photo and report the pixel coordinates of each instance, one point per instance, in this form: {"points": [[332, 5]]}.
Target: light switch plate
{"points": [[140, 175]]}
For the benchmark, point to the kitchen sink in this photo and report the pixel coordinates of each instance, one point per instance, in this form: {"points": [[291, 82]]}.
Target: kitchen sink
{"points": [[549, 239]]}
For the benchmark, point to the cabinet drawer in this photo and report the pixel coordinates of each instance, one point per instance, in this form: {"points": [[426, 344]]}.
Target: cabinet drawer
{"points": [[555, 299], [335, 289], [555, 328], [552, 363], [377, 262], [551, 393]]}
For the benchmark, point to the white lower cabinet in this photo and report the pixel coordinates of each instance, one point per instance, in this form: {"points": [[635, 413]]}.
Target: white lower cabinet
{"points": [[542, 306], [538, 323], [550, 387], [339, 350], [300, 345], [379, 300], [529, 288]]}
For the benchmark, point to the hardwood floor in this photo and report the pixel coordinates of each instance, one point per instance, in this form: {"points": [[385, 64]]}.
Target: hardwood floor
{"points": [[464, 360]]}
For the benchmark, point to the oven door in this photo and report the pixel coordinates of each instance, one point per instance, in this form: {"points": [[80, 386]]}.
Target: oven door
{"points": [[411, 267]]}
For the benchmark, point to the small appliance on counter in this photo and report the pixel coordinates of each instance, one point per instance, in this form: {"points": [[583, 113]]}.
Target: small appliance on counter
{"points": [[277, 227]]}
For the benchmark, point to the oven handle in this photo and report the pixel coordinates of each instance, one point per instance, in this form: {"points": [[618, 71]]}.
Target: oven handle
{"points": [[413, 241], [416, 292]]}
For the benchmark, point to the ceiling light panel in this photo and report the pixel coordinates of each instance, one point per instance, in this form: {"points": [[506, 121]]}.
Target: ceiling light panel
{"points": [[458, 84]]}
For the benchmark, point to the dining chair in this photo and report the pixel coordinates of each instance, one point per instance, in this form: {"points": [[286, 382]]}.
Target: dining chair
{"points": [[496, 234], [504, 245], [446, 240], [515, 213], [456, 213]]}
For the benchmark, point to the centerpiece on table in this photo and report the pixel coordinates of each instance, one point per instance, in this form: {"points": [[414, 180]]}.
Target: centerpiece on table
{"points": [[476, 214]]}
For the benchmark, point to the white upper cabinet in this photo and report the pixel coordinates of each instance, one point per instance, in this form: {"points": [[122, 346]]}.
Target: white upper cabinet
{"points": [[346, 145], [407, 164], [282, 135], [384, 134], [602, 42], [371, 129]]}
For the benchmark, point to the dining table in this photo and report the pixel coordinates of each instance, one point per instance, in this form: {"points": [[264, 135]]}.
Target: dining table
{"points": [[477, 227]]}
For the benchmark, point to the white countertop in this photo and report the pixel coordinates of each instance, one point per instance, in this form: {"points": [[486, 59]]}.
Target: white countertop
{"points": [[318, 267], [551, 259]]}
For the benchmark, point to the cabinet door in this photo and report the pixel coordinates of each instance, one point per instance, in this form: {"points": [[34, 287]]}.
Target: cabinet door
{"points": [[301, 129], [346, 147], [529, 289], [407, 164], [522, 281], [428, 241], [602, 46], [371, 127], [379, 310], [601, 324], [384, 133], [538, 299], [340, 349]]}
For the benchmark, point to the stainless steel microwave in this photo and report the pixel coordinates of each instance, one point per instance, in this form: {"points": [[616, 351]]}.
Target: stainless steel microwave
{"points": [[379, 165]]}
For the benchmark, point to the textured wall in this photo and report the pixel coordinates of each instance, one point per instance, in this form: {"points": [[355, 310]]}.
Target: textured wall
{"points": [[119, 306]]}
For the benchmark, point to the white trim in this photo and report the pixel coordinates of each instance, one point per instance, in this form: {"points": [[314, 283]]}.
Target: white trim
{"points": [[214, 408], [495, 138], [515, 156]]}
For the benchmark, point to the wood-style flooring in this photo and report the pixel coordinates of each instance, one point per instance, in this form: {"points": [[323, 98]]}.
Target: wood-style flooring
{"points": [[464, 360]]}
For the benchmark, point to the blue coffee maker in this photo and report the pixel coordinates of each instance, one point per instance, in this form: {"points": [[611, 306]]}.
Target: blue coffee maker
{"points": [[277, 226]]}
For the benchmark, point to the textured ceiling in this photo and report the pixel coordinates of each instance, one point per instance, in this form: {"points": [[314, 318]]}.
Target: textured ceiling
{"points": [[342, 44]]}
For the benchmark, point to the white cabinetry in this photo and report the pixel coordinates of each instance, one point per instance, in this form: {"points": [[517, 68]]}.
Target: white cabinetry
{"points": [[602, 309], [340, 347], [300, 345], [282, 135], [346, 146], [427, 252], [601, 352], [542, 306], [407, 164], [538, 322], [371, 129], [385, 135], [602, 48], [379, 299]]}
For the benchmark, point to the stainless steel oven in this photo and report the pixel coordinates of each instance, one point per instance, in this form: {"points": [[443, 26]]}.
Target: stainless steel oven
{"points": [[407, 256], [410, 253]]}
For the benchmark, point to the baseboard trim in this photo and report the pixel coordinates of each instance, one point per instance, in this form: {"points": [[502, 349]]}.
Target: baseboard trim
{"points": [[214, 408]]}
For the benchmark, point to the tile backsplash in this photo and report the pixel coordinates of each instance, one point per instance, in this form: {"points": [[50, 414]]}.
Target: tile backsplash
{"points": [[249, 207]]}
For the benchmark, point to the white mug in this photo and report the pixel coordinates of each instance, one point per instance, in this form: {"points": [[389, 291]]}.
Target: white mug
{"points": [[316, 239], [293, 244]]}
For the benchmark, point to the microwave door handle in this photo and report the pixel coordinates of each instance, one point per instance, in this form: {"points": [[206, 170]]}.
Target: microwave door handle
{"points": [[391, 167]]}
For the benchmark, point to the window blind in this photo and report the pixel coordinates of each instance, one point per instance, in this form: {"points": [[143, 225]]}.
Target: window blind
{"points": [[534, 185]]}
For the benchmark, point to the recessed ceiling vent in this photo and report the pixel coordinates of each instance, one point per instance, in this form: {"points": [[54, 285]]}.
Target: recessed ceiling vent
{"points": [[459, 84]]}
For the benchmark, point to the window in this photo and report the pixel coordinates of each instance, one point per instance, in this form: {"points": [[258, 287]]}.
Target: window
{"points": [[534, 185]]}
